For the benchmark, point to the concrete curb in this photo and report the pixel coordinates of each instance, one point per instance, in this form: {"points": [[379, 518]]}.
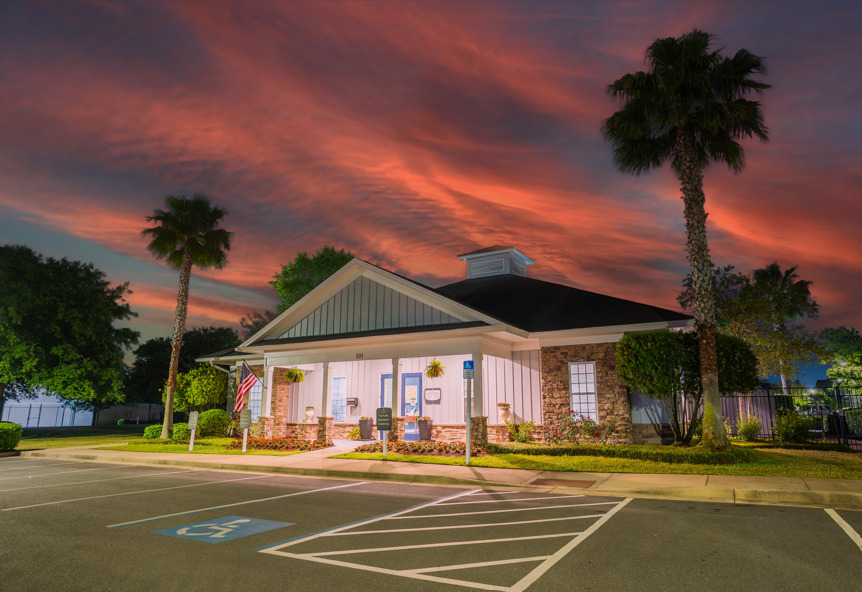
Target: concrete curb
{"points": [[810, 498]]}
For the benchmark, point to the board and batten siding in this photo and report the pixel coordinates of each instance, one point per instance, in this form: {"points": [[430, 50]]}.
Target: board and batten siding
{"points": [[515, 381], [365, 305]]}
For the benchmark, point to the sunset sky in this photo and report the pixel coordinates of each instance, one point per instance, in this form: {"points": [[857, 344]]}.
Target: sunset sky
{"points": [[408, 133]]}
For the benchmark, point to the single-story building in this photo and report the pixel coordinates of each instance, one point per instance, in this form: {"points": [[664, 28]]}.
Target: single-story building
{"points": [[365, 336]]}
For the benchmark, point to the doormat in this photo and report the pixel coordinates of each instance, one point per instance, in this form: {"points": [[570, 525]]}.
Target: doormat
{"points": [[562, 483]]}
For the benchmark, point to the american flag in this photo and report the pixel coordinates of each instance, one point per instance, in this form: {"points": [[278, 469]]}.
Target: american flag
{"points": [[246, 380]]}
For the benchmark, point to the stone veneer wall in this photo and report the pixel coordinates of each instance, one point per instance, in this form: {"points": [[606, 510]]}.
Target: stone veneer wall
{"points": [[612, 396]]}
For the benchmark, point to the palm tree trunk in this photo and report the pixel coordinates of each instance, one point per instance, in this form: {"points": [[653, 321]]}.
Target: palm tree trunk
{"points": [[691, 179], [177, 342]]}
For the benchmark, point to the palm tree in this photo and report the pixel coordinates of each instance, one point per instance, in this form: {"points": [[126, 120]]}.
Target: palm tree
{"points": [[690, 108], [185, 233]]}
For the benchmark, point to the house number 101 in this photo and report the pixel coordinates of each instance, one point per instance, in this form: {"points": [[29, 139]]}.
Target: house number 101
{"points": [[360, 356]]}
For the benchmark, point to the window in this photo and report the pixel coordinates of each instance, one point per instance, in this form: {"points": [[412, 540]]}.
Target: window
{"points": [[255, 399], [339, 394], [582, 389]]}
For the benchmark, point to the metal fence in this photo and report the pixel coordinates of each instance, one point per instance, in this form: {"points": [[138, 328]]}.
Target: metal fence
{"points": [[836, 413], [35, 415]]}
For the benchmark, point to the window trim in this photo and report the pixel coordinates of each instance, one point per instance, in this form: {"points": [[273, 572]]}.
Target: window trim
{"points": [[592, 398]]}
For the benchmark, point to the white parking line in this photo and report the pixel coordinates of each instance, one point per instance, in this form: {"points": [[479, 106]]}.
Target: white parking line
{"points": [[854, 536], [425, 573], [96, 480], [500, 511], [521, 499], [255, 501], [64, 463], [81, 499], [58, 473]]}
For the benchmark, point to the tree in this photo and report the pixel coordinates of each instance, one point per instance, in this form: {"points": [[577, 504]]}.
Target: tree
{"points": [[845, 347], [199, 389], [185, 233], [306, 273], [57, 329], [145, 380], [691, 109], [255, 321], [765, 310], [665, 365]]}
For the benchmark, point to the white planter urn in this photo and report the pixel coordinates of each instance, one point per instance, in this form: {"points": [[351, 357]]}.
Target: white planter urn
{"points": [[309, 415], [504, 414]]}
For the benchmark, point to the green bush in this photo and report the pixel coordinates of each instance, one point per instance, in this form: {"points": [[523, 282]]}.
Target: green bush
{"points": [[181, 433], [666, 454], [213, 423], [748, 427], [521, 433], [10, 435], [153, 432], [791, 427], [854, 421]]}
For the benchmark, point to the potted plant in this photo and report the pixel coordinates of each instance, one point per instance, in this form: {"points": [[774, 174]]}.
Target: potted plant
{"points": [[365, 426], [309, 414], [294, 375], [504, 412], [434, 369], [426, 428]]}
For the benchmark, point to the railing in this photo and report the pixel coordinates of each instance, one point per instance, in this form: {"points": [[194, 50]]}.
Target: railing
{"points": [[838, 411]]}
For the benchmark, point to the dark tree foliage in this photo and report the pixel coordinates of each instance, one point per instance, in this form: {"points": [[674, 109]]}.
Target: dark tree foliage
{"points": [[57, 329], [665, 365], [255, 321], [145, 380], [306, 273]]}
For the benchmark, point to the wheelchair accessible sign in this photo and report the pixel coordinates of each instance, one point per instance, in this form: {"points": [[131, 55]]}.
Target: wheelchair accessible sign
{"points": [[223, 529]]}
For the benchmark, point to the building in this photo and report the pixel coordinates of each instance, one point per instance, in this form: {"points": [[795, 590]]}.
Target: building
{"points": [[364, 337]]}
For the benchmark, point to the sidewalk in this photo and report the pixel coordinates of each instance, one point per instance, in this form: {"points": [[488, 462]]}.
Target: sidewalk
{"points": [[793, 491]]}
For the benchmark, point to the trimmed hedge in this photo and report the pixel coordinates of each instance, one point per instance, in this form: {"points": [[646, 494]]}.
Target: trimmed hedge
{"points": [[213, 423], [10, 435], [153, 432], [285, 444], [424, 448], [823, 446], [181, 433], [666, 454]]}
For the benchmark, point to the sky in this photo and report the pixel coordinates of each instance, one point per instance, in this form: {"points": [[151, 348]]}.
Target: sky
{"points": [[408, 133]]}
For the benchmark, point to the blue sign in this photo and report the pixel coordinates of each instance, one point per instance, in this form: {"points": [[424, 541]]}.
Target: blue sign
{"points": [[223, 529], [468, 369]]}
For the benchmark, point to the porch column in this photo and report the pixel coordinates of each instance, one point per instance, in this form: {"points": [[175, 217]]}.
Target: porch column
{"points": [[267, 382], [325, 396], [396, 385], [476, 410]]}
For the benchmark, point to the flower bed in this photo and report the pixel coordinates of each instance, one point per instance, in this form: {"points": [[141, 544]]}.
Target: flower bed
{"points": [[285, 444], [424, 448]]}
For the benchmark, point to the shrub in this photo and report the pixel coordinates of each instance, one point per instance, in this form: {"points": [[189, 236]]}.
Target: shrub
{"points": [[521, 433], [181, 433], [424, 448], [122, 421], [284, 444], [153, 432], [214, 422], [10, 435], [353, 434], [665, 454], [791, 427], [748, 427]]}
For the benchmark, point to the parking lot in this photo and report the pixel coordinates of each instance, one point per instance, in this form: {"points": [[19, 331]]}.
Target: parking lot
{"points": [[91, 526]]}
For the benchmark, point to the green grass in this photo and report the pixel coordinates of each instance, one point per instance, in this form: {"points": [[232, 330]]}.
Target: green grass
{"points": [[767, 463], [202, 446], [42, 438]]}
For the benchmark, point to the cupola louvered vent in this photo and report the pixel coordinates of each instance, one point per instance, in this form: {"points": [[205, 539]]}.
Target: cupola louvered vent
{"points": [[496, 260]]}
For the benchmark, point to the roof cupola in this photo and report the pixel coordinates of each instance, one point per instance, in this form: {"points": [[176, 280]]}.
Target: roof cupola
{"points": [[496, 260]]}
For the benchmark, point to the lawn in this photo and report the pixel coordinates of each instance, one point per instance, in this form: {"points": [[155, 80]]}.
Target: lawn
{"points": [[42, 438], [202, 446], [768, 463]]}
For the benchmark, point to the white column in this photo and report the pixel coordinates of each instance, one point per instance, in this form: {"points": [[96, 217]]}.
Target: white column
{"points": [[324, 402], [396, 385], [267, 383], [477, 385]]}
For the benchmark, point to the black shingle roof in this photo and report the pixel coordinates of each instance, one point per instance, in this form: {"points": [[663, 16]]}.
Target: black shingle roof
{"points": [[535, 305]]}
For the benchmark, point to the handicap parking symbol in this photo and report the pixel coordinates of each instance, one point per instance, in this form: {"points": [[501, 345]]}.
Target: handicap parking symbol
{"points": [[223, 529]]}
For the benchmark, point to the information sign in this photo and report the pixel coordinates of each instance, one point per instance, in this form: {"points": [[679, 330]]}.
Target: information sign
{"points": [[245, 419], [193, 421], [384, 419]]}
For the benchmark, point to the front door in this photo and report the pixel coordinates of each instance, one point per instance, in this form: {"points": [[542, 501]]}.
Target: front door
{"points": [[411, 404]]}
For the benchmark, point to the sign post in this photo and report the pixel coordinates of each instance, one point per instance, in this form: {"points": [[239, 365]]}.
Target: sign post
{"points": [[468, 412], [244, 424], [384, 424], [193, 425]]}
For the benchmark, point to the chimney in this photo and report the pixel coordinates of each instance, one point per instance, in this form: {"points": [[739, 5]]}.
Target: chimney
{"points": [[496, 260]]}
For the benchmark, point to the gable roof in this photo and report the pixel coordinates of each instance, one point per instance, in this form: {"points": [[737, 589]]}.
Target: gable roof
{"points": [[535, 305]]}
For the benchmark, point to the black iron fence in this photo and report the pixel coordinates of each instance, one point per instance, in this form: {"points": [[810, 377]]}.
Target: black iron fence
{"points": [[835, 414]]}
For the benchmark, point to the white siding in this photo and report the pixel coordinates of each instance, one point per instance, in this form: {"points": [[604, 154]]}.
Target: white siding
{"points": [[365, 305], [516, 381]]}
